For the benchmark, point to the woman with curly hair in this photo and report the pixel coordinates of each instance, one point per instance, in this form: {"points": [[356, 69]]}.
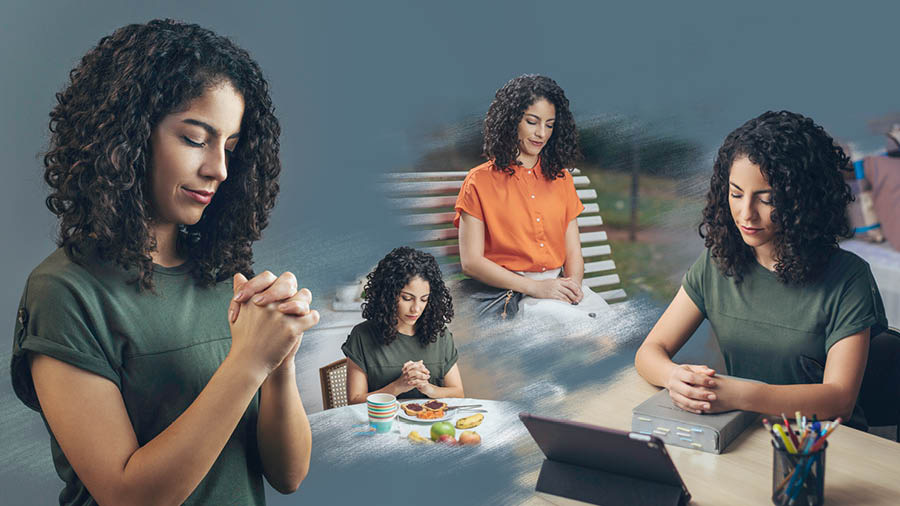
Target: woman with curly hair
{"points": [[404, 347], [789, 307], [157, 383], [516, 212]]}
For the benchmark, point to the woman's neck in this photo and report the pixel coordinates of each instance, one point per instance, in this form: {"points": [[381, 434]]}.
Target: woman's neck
{"points": [[166, 252], [528, 161], [765, 256], [406, 329]]}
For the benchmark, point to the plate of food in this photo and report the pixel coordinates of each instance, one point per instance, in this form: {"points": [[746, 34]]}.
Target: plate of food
{"points": [[428, 412]]}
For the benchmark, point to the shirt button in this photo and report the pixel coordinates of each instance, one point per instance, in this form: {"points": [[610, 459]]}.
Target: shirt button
{"points": [[539, 220], [542, 245], [543, 268], [529, 172], [532, 196]]}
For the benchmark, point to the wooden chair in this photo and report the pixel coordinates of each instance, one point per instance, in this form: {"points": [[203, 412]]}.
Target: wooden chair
{"points": [[426, 200], [333, 378], [879, 395]]}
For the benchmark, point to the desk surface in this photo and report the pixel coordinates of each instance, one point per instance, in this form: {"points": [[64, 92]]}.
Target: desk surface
{"points": [[860, 468]]}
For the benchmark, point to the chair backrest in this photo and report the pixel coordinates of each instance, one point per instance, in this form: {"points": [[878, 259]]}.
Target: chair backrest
{"points": [[426, 200], [879, 395], [333, 378]]}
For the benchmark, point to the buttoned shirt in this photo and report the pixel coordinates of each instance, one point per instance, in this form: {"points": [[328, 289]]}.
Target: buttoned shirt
{"points": [[525, 216]]}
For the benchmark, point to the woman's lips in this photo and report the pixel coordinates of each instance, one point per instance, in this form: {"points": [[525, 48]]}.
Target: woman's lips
{"points": [[536, 143], [750, 231], [201, 196], [412, 317]]}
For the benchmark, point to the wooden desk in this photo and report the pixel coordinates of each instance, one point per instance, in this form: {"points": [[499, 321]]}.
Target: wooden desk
{"points": [[860, 468]]}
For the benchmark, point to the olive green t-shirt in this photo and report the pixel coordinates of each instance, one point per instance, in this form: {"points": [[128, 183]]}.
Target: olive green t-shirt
{"points": [[778, 333], [160, 349], [384, 363]]}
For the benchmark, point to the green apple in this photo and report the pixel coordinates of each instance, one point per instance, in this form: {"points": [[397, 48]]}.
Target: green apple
{"points": [[439, 429]]}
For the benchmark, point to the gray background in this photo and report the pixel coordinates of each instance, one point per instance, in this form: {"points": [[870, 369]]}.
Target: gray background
{"points": [[367, 87]]}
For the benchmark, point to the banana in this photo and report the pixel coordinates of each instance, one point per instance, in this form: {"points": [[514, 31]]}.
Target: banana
{"points": [[470, 421], [414, 437]]}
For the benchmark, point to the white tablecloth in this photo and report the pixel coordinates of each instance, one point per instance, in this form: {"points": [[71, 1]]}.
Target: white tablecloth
{"points": [[885, 264], [350, 465]]}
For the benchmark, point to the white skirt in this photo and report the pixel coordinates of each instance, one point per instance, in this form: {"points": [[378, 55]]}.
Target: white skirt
{"points": [[591, 306]]}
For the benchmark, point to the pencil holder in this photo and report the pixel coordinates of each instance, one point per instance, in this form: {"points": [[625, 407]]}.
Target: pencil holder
{"points": [[798, 478]]}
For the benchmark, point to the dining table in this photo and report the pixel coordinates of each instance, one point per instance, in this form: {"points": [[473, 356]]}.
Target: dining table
{"points": [[351, 464]]}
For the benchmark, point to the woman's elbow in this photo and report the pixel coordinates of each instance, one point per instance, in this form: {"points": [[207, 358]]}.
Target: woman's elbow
{"points": [[290, 484]]}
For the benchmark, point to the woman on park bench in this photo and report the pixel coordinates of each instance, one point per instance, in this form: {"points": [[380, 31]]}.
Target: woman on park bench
{"points": [[517, 212], [788, 306]]}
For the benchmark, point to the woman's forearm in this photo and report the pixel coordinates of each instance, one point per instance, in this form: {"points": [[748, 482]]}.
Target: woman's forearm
{"points": [[574, 268], [653, 363], [492, 274], [169, 467], [827, 401], [439, 392], [283, 430]]}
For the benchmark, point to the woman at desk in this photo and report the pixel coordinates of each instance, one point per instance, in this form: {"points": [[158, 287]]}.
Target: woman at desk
{"points": [[788, 306], [163, 167], [517, 212], [404, 347]]}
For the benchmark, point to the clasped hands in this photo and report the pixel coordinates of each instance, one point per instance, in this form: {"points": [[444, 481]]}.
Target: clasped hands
{"points": [[415, 375], [697, 388], [268, 317], [564, 289]]}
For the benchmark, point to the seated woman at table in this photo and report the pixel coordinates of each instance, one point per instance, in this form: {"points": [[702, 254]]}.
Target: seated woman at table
{"points": [[788, 306], [404, 347], [516, 212]]}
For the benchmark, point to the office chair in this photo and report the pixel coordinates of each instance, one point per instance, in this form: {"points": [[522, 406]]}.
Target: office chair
{"points": [[879, 395]]}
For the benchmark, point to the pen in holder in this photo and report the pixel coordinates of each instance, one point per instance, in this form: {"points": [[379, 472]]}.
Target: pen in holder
{"points": [[798, 478]]}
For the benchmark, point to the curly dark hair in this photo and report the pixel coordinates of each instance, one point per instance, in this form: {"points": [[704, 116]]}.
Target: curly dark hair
{"points": [[99, 156], [501, 140], [804, 167], [383, 288]]}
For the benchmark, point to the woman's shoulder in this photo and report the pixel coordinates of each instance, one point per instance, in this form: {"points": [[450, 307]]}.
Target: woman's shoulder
{"points": [[845, 265], [59, 271], [482, 172]]}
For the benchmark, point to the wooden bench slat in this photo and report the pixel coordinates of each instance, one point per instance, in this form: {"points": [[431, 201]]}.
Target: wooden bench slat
{"points": [[590, 221], [602, 265], [613, 294], [427, 219], [442, 251], [418, 176], [587, 194], [421, 187], [592, 236], [438, 234], [609, 279], [595, 251], [423, 202]]}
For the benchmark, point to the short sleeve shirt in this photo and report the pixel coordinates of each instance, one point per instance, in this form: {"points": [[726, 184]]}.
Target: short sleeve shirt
{"points": [[384, 363], [159, 349], [767, 329], [525, 216]]}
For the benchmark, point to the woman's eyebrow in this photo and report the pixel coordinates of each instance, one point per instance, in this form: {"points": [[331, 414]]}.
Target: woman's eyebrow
{"points": [[211, 130], [413, 295], [535, 116], [755, 193]]}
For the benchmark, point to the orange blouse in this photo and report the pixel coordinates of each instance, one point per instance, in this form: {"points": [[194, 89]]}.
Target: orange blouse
{"points": [[525, 216]]}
